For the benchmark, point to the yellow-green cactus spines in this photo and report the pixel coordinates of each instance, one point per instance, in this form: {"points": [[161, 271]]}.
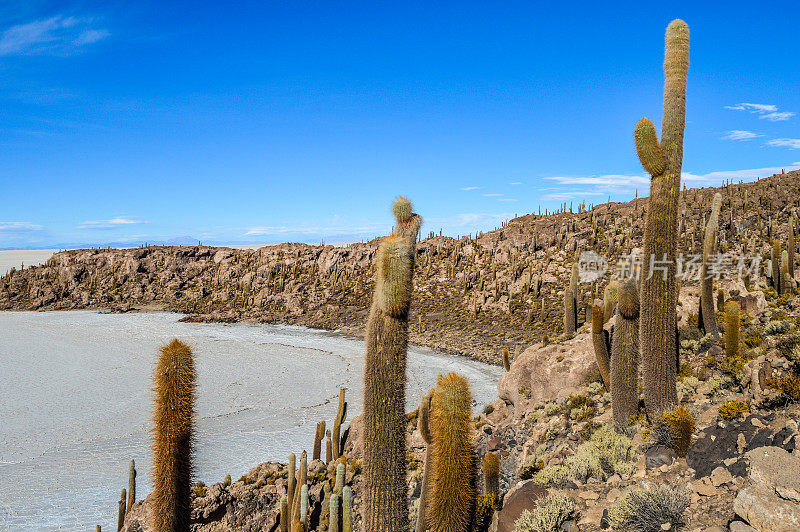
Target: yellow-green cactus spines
{"points": [[658, 320], [708, 318], [732, 325], [491, 475], [347, 509], [451, 503], [341, 413], [384, 487], [173, 416], [625, 356]]}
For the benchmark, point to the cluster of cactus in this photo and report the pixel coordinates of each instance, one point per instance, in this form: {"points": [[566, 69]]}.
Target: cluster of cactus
{"points": [[663, 161], [384, 484]]}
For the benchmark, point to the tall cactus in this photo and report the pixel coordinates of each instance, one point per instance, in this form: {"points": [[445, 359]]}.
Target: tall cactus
{"points": [[600, 341], [663, 161], [777, 282], [384, 480], [347, 509], [732, 325], [708, 318], [791, 246], [341, 413], [173, 417], [285, 514], [570, 312], [291, 484], [121, 510], [625, 356], [131, 485], [319, 435], [333, 525], [451, 505], [423, 423]]}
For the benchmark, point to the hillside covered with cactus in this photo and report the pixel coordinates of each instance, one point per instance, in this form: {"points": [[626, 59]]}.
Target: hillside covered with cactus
{"points": [[473, 296]]}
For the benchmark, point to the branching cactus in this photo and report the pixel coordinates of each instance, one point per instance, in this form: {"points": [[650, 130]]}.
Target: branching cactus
{"points": [[663, 161], [173, 417], [451, 503], [708, 318], [601, 347], [625, 356], [384, 480]]}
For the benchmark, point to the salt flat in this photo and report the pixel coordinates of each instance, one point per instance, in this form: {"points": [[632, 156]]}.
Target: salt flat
{"points": [[75, 401], [15, 258]]}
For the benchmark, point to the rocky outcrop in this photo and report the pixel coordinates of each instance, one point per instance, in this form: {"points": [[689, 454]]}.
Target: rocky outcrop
{"points": [[772, 502], [544, 373]]}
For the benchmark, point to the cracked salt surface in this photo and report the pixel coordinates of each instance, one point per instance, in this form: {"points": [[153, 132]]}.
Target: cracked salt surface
{"points": [[75, 400]]}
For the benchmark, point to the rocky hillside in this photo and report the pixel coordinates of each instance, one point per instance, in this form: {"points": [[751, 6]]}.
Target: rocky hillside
{"points": [[473, 296]]}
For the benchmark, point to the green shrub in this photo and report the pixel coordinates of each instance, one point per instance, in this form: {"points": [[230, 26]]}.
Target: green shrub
{"points": [[680, 426], [646, 509], [777, 327], [551, 476], [548, 516], [732, 409], [718, 383]]}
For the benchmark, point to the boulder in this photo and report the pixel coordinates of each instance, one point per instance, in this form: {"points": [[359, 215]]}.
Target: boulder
{"points": [[544, 373], [522, 497], [765, 511]]}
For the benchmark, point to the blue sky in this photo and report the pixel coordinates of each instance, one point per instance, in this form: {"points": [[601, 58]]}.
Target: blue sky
{"points": [[262, 122]]}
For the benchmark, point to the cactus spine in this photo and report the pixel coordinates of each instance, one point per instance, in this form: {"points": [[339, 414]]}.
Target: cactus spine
{"points": [[609, 300], [333, 525], [384, 480], [173, 416], [777, 282], [601, 348], [451, 504], [625, 356], [506, 361], [304, 505], [663, 161], [708, 318], [423, 423]]}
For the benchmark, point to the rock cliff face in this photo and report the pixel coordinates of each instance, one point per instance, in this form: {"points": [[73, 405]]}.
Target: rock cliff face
{"points": [[472, 296]]}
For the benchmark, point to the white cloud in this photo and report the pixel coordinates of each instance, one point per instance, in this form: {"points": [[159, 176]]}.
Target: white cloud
{"points": [[738, 134], [470, 188], [777, 117], [506, 199], [612, 180], [793, 144], [716, 178], [492, 195], [766, 111], [562, 196], [19, 227], [55, 35], [753, 107], [515, 183], [110, 223]]}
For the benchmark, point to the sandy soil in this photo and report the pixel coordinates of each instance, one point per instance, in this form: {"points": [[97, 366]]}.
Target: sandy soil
{"points": [[75, 401]]}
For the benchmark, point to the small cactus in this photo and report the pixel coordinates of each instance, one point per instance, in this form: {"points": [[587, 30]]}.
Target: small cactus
{"points": [[491, 475], [732, 330], [121, 510], [708, 318], [423, 423], [333, 525], [625, 357], [600, 341], [291, 484], [347, 509], [131, 485], [341, 413], [318, 437], [570, 312], [284, 514], [506, 361]]}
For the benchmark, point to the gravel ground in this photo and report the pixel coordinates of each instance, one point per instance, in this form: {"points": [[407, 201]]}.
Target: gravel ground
{"points": [[75, 401]]}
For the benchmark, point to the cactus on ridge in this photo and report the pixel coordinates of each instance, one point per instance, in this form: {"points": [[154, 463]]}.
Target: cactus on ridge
{"points": [[708, 318], [663, 160], [173, 417]]}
